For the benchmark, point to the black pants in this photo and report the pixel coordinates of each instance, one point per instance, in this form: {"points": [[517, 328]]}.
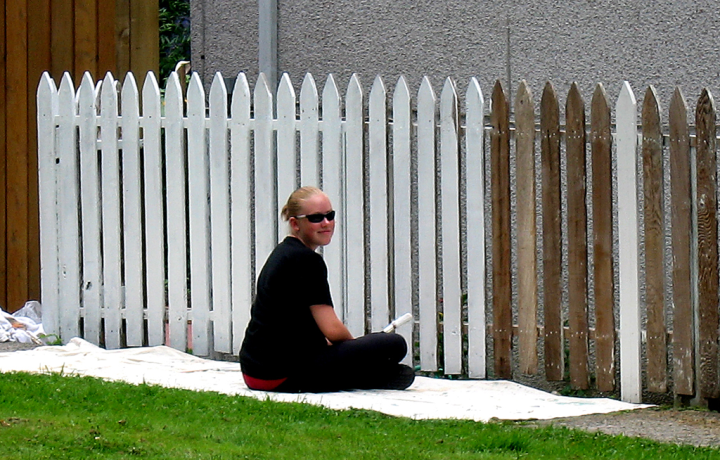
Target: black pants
{"points": [[370, 361]]}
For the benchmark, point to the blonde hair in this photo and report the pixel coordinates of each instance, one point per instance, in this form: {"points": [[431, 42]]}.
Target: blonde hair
{"points": [[293, 207]]}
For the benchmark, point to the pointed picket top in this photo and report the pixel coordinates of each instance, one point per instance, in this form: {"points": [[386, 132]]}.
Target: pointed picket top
{"points": [[651, 106], [218, 91], [474, 95], [66, 93], [575, 105], [600, 108], [626, 98], [195, 93], [705, 111], [378, 93], [129, 93], [151, 96], [549, 102], [448, 102], [500, 104], [286, 95], [240, 105], [523, 97], [86, 93], [354, 89], [678, 104], [47, 91], [263, 98], [108, 94], [308, 92], [173, 95], [330, 90]]}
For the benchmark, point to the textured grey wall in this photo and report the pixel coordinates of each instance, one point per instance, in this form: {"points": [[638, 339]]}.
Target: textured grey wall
{"points": [[659, 42]]}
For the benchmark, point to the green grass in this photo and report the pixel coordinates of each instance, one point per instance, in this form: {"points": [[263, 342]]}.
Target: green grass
{"points": [[57, 417]]}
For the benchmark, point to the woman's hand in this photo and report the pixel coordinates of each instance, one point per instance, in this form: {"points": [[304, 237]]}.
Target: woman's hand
{"points": [[330, 325]]}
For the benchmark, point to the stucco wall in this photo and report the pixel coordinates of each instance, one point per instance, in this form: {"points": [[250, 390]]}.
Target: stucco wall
{"points": [[659, 42]]}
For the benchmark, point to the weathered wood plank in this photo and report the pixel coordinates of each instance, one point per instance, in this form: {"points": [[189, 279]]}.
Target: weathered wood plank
{"points": [[16, 159], [450, 199], [630, 333], [577, 239], [427, 255], [526, 230], [682, 253], [706, 205], [3, 158], [62, 27], [144, 29], [502, 282], [552, 236], [122, 36], [602, 202], [475, 201], [654, 243], [85, 37], [106, 48]]}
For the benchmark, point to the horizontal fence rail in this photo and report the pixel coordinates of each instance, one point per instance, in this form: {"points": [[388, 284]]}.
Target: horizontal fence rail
{"points": [[522, 242]]}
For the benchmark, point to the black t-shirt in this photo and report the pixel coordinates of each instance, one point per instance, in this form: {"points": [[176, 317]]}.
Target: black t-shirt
{"points": [[282, 329]]}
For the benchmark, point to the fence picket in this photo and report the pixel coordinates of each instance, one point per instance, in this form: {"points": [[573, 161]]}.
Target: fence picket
{"points": [[309, 135], [47, 111], [577, 239], [502, 283], [707, 249], [450, 227], [265, 184], [526, 231], [333, 173], [220, 216], [602, 202], [475, 202], [354, 212], [111, 221], [154, 225], [199, 215], [241, 211], [90, 209], [682, 247], [552, 236], [176, 175], [133, 237], [400, 225], [654, 243], [69, 202], [627, 179], [378, 205], [287, 160], [426, 230]]}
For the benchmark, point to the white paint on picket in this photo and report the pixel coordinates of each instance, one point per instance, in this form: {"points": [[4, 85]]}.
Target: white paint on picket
{"points": [[401, 223], [241, 210], [47, 111], [266, 209], [111, 213], [199, 216], [378, 209], [354, 213], [450, 193], [92, 280], [69, 210], [154, 212], [175, 172], [220, 216], [333, 174], [133, 237], [309, 135], [286, 147], [475, 212], [628, 228], [427, 250]]}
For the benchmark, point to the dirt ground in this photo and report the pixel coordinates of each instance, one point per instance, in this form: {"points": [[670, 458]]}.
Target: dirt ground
{"points": [[680, 426], [685, 426]]}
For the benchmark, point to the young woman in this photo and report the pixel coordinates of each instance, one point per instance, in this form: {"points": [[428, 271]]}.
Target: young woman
{"points": [[295, 342]]}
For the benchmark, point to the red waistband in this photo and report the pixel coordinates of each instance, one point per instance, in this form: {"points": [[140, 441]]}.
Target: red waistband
{"points": [[260, 384]]}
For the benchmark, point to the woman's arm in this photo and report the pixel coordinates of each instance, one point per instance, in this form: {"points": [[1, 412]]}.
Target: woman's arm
{"points": [[330, 324]]}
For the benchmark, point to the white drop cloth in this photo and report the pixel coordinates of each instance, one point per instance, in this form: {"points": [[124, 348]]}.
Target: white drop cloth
{"points": [[24, 326], [427, 398]]}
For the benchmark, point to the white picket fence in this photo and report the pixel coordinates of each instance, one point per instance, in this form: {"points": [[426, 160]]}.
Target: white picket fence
{"points": [[154, 218]]}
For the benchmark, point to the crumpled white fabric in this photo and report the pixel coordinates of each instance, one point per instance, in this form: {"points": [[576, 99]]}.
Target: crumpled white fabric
{"points": [[427, 398], [24, 326]]}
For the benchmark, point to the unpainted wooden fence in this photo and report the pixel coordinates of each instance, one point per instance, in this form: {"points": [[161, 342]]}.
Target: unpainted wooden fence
{"points": [[158, 218]]}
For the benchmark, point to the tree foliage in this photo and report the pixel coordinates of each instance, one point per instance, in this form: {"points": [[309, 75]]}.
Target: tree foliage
{"points": [[174, 35]]}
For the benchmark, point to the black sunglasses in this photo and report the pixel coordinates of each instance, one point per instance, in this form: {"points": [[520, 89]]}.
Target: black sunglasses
{"points": [[317, 218]]}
